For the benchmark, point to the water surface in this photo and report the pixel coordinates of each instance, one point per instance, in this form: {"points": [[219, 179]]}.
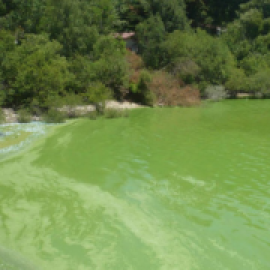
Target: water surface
{"points": [[163, 189]]}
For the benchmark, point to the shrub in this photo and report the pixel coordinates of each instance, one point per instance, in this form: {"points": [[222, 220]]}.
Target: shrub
{"points": [[54, 116], [188, 96], [169, 93], [35, 70], [136, 65], [184, 69], [2, 117], [238, 82], [135, 61], [70, 101], [198, 56], [93, 115], [163, 85], [147, 97], [151, 33], [216, 92], [115, 113], [24, 116], [139, 90], [97, 93]]}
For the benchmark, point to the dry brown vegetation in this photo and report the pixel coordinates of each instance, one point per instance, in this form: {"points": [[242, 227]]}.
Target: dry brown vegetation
{"points": [[168, 89], [171, 92], [135, 65]]}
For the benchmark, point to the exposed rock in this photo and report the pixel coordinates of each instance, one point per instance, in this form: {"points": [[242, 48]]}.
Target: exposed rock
{"points": [[112, 104], [243, 95], [10, 115], [78, 110], [74, 111]]}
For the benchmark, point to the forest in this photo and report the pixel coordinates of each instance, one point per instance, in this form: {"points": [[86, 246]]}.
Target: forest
{"points": [[66, 52]]}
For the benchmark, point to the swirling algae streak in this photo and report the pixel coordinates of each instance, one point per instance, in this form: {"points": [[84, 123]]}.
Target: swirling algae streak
{"points": [[131, 194], [23, 220]]}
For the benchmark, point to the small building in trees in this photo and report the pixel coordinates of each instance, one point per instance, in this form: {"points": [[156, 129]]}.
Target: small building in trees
{"points": [[130, 39]]}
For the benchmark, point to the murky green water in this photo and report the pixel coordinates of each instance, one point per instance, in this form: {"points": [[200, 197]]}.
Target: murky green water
{"points": [[163, 189]]}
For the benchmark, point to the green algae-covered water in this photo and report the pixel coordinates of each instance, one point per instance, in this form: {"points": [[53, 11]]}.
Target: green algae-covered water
{"points": [[163, 189]]}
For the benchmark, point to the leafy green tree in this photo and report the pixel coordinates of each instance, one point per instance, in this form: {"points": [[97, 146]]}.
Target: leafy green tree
{"points": [[83, 72], [215, 12], [25, 14], [7, 45], [171, 12], [107, 46], [2, 8], [259, 83], [107, 65], [262, 5], [151, 34], [185, 69], [249, 33], [77, 24], [254, 63], [111, 66], [131, 13], [252, 23], [212, 56], [98, 93], [34, 71], [237, 82]]}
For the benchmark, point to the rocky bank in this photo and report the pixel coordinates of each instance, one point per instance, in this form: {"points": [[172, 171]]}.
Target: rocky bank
{"points": [[11, 116]]}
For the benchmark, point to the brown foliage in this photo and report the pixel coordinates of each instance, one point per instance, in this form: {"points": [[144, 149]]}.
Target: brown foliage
{"points": [[189, 96], [135, 65], [168, 91]]}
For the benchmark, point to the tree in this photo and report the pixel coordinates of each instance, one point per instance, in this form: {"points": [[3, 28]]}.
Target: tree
{"points": [[237, 82], [98, 93], [34, 71], [210, 57], [259, 83], [171, 12], [25, 14], [151, 34], [215, 12], [249, 33], [107, 65]]}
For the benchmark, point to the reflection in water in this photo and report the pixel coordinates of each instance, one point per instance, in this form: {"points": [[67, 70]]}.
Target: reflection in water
{"points": [[163, 189]]}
